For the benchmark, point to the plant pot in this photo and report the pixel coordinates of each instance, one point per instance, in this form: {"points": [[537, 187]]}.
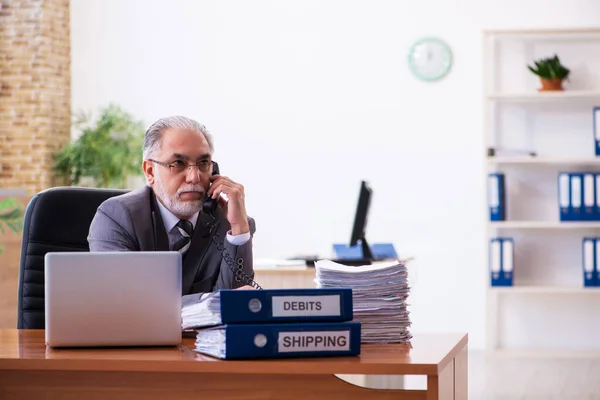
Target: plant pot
{"points": [[551, 84]]}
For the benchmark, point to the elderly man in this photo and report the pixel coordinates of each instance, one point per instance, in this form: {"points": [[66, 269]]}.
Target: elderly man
{"points": [[167, 214]]}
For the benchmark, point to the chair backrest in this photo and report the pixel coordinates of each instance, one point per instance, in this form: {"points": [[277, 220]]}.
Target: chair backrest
{"points": [[56, 219]]}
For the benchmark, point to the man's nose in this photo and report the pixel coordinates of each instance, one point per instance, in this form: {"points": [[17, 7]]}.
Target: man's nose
{"points": [[192, 174]]}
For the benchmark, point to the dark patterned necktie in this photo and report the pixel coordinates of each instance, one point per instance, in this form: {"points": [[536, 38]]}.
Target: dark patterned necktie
{"points": [[186, 229]]}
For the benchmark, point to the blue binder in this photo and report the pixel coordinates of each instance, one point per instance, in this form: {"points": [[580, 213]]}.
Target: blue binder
{"points": [[508, 261], [285, 305], [589, 197], [597, 129], [502, 261], [497, 197], [496, 261], [596, 261], [589, 259], [597, 196], [576, 196], [252, 341], [564, 196]]}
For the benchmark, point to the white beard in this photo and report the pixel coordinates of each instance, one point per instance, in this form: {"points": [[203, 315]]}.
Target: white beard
{"points": [[185, 208]]}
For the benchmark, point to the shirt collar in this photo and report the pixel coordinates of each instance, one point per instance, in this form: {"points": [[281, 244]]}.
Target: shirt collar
{"points": [[171, 220]]}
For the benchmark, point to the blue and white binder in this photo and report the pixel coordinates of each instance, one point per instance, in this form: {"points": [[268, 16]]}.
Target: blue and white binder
{"points": [[576, 197], [597, 129], [502, 261], [496, 261], [564, 196], [228, 306], [589, 261], [597, 262], [589, 197], [280, 340], [508, 261], [497, 197], [597, 197]]}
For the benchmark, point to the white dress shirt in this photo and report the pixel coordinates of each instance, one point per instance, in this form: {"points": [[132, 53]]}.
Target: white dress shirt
{"points": [[171, 220]]}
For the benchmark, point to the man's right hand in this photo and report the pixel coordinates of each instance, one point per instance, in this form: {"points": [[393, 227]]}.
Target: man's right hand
{"points": [[245, 287]]}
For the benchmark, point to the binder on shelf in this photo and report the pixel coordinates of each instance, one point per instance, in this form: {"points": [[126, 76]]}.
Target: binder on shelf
{"points": [[576, 197], [502, 261], [589, 197], [497, 196], [228, 306], [508, 260], [564, 196], [589, 261], [597, 129], [597, 262], [254, 341], [597, 197]]}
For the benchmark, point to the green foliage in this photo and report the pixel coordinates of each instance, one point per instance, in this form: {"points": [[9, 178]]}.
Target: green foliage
{"points": [[549, 68], [108, 151], [11, 216]]}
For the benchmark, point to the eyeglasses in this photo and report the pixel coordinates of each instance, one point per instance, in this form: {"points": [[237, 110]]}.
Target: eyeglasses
{"points": [[177, 166]]}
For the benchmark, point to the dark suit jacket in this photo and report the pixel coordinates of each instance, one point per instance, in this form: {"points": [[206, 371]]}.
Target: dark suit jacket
{"points": [[132, 222]]}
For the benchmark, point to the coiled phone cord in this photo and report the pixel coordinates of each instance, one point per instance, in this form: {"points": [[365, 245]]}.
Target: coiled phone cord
{"points": [[236, 267]]}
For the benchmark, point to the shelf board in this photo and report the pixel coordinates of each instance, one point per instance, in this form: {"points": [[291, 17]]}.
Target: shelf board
{"points": [[544, 160], [535, 96], [544, 289], [543, 353], [544, 225], [544, 31]]}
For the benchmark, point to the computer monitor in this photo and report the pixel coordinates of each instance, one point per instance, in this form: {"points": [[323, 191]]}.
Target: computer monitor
{"points": [[360, 221]]}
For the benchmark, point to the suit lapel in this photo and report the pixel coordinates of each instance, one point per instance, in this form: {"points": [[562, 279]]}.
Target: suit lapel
{"points": [[161, 238]]}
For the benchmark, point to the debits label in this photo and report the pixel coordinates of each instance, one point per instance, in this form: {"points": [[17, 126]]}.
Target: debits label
{"points": [[295, 306]]}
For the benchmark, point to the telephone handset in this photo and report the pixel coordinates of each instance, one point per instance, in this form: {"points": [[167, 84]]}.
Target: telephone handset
{"points": [[209, 207]]}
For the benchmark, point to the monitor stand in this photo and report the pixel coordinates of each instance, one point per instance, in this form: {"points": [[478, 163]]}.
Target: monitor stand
{"points": [[366, 250], [367, 258]]}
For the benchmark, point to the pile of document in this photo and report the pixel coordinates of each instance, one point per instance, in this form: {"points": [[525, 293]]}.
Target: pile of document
{"points": [[273, 323], [380, 292], [206, 311]]}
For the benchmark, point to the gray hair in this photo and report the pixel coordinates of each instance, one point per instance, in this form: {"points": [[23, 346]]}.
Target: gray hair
{"points": [[153, 137]]}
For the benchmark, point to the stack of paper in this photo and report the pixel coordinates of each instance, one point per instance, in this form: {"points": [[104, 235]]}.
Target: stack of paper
{"points": [[379, 291], [205, 311]]}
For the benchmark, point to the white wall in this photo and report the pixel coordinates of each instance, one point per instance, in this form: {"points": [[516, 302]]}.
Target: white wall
{"points": [[306, 98]]}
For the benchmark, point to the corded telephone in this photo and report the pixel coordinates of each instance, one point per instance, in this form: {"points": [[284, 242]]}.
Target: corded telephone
{"points": [[209, 206]]}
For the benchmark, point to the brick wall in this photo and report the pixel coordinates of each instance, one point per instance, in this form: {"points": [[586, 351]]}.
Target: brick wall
{"points": [[35, 90]]}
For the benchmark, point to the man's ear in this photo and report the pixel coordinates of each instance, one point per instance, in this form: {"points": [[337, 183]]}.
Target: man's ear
{"points": [[148, 167]]}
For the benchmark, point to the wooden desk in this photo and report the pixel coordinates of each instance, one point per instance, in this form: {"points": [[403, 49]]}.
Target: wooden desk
{"points": [[30, 370]]}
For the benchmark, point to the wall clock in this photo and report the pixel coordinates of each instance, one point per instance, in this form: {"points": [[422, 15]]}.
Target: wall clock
{"points": [[430, 59]]}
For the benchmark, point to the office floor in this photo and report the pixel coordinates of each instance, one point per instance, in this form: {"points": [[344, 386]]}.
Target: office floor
{"points": [[533, 378], [522, 378]]}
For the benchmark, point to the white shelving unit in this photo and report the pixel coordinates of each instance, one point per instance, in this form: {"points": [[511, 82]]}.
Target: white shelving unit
{"points": [[548, 311], [535, 97], [544, 160], [544, 225]]}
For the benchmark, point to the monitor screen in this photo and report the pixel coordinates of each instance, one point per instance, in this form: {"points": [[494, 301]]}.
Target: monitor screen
{"points": [[360, 220]]}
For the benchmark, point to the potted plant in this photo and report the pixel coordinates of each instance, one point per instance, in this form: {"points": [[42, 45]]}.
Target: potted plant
{"points": [[11, 216], [106, 153], [551, 73]]}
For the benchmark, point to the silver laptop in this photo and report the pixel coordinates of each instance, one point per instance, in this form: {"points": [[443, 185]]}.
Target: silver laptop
{"points": [[113, 299]]}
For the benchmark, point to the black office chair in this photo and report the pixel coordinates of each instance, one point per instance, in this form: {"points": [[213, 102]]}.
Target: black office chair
{"points": [[56, 219]]}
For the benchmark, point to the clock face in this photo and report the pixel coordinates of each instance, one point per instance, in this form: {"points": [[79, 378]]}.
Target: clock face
{"points": [[430, 59]]}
